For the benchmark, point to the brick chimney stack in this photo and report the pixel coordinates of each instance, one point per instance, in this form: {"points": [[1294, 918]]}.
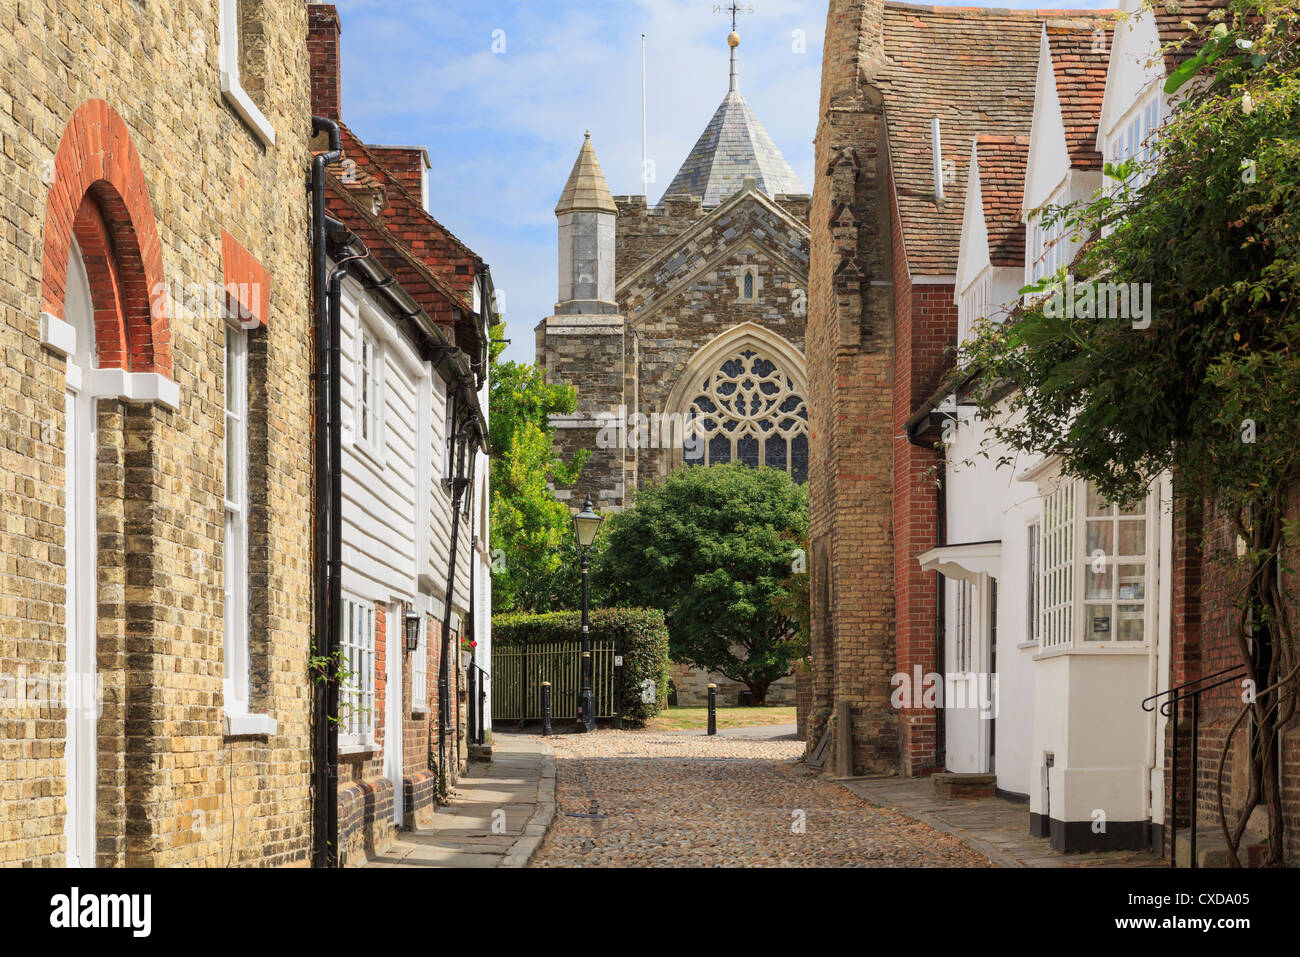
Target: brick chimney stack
{"points": [[323, 31]]}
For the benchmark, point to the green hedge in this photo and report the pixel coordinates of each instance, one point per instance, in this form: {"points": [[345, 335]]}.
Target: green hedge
{"points": [[642, 637]]}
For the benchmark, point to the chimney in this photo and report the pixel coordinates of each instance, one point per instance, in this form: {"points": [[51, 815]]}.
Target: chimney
{"points": [[323, 31]]}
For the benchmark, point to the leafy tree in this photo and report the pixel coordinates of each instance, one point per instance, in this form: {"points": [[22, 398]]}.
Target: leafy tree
{"points": [[1207, 383], [712, 547], [528, 524]]}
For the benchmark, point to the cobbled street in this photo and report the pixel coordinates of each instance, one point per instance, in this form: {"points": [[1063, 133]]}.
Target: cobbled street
{"points": [[647, 799]]}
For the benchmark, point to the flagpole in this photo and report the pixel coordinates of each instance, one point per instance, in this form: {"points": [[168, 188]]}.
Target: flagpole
{"points": [[643, 140]]}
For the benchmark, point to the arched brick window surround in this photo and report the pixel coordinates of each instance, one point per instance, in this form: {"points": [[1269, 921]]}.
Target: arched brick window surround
{"points": [[99, 195]]}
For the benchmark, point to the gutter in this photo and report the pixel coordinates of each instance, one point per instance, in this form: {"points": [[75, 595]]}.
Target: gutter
{"points": [[325, 693]]}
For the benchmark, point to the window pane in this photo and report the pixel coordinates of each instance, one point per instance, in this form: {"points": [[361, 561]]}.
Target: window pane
{"points": [[1132, 582], [747, 450], [774, 453], [1097, 504], [1131, 623], [1099, 537], [1132, 537], [1096, 622], [799, 457], [1097, 584], [719, 449]]}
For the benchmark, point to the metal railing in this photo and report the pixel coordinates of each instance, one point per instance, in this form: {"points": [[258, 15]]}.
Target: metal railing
{"points": [[1191, 690], [519, 670]]}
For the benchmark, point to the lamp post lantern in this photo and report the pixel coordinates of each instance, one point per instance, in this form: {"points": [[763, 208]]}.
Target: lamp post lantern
{"points": [[585, 526], [411, 622]]}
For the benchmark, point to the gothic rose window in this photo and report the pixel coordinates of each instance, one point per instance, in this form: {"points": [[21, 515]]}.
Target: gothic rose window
{"points": [[749, 411]]}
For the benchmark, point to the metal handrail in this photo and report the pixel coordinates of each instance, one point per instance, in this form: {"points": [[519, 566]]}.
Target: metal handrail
{"points": [[1169, 708]]}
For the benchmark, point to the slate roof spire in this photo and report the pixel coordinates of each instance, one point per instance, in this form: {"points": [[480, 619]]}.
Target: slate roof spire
{"points": [[734, 145]]}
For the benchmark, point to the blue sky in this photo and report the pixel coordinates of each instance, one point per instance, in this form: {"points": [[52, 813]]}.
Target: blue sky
{"points": [[503, 128]]}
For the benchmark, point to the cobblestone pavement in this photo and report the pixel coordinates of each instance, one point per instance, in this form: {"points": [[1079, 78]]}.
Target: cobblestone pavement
{"points": [[648, 799]]}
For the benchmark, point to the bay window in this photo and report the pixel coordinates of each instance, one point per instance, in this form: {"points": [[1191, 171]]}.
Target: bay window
{"points": [[1096, 562]]}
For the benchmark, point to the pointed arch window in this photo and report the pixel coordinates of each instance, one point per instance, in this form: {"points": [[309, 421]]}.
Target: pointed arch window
{"points": [[750, 410]]}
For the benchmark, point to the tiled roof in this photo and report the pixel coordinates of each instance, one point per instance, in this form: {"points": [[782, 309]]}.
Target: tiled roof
{"points": [[975, 70], [734, 145], [1080, 51], [410, 223], [1002, 162], [1175, 21], [349, 202]]}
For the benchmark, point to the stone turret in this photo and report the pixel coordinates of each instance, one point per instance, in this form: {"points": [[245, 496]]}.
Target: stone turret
{"points": [[586, 214]]}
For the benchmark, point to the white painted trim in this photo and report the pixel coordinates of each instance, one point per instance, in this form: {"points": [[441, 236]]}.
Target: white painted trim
{"points": [[964, 562], [933, 280], [57, 335], [231, 89], [248, 725], [134, 386]]}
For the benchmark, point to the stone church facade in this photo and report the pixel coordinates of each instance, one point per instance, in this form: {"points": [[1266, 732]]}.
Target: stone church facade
{"points": [[691, 310]]}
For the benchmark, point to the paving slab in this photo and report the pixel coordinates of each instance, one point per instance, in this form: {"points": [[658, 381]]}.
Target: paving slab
{"points": [[496, 816]]}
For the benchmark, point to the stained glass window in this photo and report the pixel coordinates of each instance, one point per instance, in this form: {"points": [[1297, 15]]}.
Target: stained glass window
{"points": [[751, 411]]}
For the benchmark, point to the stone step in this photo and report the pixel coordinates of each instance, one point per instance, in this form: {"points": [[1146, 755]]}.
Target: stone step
{"points": [[1212, 849], [951, 784]]}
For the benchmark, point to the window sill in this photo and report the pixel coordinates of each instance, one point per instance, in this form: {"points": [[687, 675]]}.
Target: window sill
{"points": [[418, 712], [1024, 645], [1110, 648], [352, 750], [248, 725], [247, 110]]}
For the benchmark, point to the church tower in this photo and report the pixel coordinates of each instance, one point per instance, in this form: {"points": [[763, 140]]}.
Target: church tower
{"points": [[582, 343], [690, 310], [586, 213]]}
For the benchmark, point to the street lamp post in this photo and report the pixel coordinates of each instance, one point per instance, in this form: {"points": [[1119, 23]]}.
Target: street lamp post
{"points": [[585, 525]]}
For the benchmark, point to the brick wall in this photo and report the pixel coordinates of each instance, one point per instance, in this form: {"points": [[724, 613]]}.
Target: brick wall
{"points": [[849, 345], [174, 790]]}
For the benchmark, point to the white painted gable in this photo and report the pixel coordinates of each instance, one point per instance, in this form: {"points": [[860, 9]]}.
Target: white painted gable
{"points": [[1135, 63], [1049, 157], [973, 254]]}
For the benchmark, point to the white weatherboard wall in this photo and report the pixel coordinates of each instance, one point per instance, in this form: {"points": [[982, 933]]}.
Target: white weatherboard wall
{"points": [[985, 503]]}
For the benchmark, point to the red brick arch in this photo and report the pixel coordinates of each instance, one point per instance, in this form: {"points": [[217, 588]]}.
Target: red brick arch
{"points": [[99, 195]]}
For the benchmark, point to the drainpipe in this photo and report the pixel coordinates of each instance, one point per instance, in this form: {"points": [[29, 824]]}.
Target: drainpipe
{"points": [[444, 656], [325, 701]]}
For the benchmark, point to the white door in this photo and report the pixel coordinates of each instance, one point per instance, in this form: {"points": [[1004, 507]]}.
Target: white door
{"points": [[82, 690], [394, 649]]}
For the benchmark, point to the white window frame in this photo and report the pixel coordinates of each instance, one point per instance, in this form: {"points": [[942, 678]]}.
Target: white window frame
{"points": [[231, 88], [965, 625], [1069, 566], [420, 669], [235, 683], [357, 694], [368, 405], [974, 305], [1133, 134], [1034, 585]]}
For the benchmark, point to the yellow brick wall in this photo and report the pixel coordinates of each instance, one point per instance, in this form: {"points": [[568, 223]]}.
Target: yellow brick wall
{"points": [[174, 792]]}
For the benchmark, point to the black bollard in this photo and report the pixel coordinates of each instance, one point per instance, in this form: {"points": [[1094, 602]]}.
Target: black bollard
{"points": [[618, 692], [713, 709], [546, 707]]}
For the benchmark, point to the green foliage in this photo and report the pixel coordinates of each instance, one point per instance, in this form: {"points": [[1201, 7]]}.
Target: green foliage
{"points": [[640, 633], [712, 546], [528, 524]]}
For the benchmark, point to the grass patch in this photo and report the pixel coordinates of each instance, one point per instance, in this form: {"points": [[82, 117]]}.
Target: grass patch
{"points": [[696, 719]]}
